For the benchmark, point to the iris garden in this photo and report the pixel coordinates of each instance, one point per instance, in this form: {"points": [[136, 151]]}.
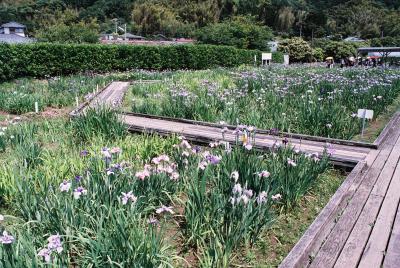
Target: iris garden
{"points": [[84, 192]]}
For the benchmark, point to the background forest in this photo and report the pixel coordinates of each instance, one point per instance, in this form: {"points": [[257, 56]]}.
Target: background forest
{"points": [[210, 21]]}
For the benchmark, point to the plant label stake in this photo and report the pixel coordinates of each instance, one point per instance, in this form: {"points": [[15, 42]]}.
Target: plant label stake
{"points": [[36, 107], [255, 60], [364, 114], [97, 88], [77, 101]]}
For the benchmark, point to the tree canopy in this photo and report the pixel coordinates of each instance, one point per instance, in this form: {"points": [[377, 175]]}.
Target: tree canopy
{"points": [[181, 18]]}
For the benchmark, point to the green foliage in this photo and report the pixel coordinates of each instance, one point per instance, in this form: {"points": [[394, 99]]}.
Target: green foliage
{"points": [[338, 49], [364, 18], [277, 57], [387, 41], [20, 97], [74, 33], [318, 54], [298, 49], [241, 32], [153, 18], [41, 60], [97, 122]]}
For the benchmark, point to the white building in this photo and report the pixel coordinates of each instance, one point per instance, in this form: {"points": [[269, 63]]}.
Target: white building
{"points": [[13, 33], [13, 28]]}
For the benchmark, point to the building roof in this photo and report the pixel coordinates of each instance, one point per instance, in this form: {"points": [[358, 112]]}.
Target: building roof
{"points": [[14, 39], [129, 35], [12, 24], [353, 39], [391, 54], [379, 49]]}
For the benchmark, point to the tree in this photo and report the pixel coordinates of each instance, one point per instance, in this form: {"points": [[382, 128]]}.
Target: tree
{"points": [[298, 49], [156, 18], [241, 32], [80, 32], [285, 19]]}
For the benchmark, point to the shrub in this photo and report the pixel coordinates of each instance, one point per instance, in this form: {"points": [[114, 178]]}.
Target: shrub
{"points": [[241, 32], [298, 49], [42, 59], [277, 57], [318, 54]]}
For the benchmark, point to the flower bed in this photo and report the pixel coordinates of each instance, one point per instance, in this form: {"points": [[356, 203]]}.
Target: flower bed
{"points": [[304, 100], [116, 202]]}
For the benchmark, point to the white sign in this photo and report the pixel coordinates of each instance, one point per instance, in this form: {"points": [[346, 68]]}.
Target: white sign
{"points": [[364, 113], [286, 59], [266, 56]]}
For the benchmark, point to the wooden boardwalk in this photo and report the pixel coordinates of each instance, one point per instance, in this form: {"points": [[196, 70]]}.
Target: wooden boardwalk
{"points": [[360, 226], [345, 155]]}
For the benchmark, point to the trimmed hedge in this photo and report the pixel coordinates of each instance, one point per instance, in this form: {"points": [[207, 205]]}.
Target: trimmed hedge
{"points": [[44, 59]]}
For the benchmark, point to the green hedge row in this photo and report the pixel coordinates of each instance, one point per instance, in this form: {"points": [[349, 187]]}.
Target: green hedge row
{"points": [[42, 59]]}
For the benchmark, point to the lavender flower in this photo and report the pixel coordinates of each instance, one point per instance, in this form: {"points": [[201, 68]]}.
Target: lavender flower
{"points": [[214, 159], [79, 191], [78, 178], [276, 197], [164, 209], [45, 253], [115, 150], [264, 174], [142, 174], [83, 153], [106, 153], [152, 221], [6, 239], [248, 146], [55, 243], [128, 196], [65, 186], [291, 162], [262, 198], [237, 189]]}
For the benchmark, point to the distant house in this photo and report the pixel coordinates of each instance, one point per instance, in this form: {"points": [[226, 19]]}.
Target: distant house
{"points": [[116, 37], [273, 45], [353, 39], [13, 33], [132, 37]]}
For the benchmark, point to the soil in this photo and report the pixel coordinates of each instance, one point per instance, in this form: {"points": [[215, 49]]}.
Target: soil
{"points": [[48, 113]]}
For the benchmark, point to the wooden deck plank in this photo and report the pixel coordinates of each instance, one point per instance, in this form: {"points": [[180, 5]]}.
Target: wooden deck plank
{"points": [[110, 95], [356, 144], [310, 243], [392, 256], [374, 251], [355, 244], [332, 247], [312, 239], [347, 153]]}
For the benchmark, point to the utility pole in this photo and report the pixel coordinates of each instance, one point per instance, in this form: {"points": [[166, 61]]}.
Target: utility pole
{"points": [[312, 37], [301, 29]]}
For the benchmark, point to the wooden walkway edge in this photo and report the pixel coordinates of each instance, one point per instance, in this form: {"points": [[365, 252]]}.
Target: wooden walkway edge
{"points": [[358, 227]]}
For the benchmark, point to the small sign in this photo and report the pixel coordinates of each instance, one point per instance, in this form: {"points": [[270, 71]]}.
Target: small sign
{"points": [[266, 56], [364, 113], [286, 59]]}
